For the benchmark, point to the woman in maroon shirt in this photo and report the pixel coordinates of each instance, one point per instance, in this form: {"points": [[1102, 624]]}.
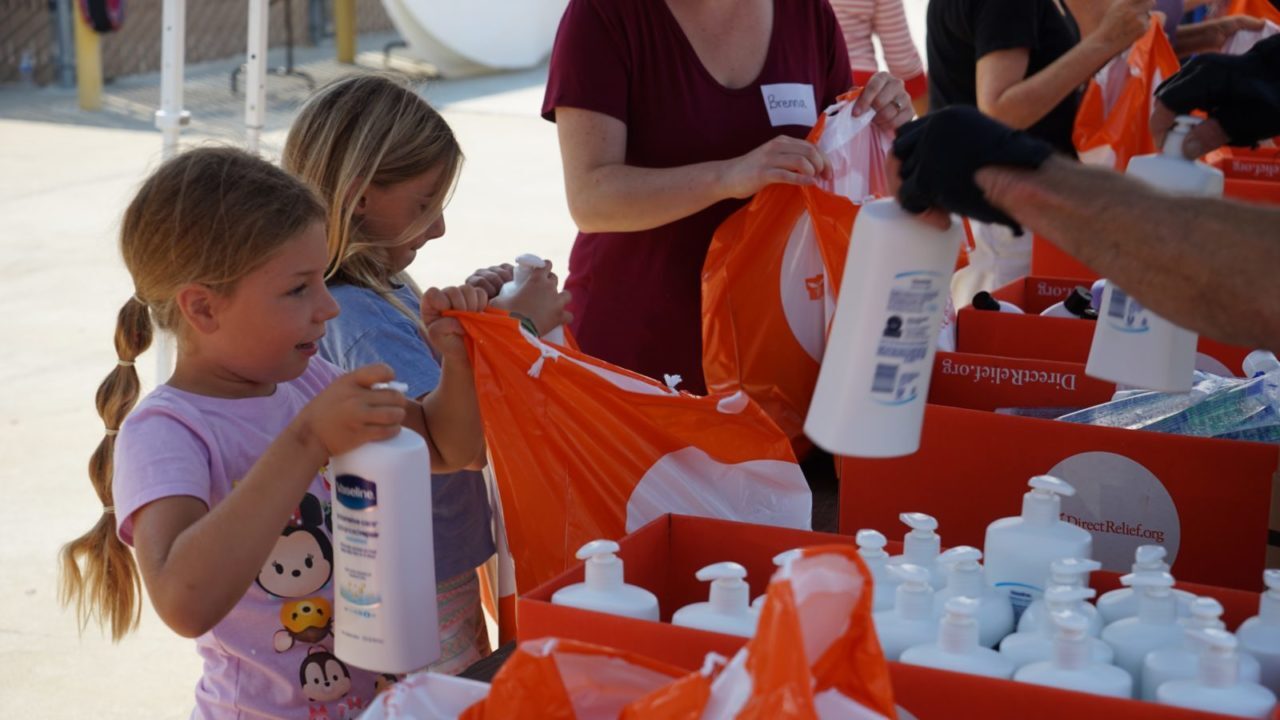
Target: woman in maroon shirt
{"points": [[670, 113]]}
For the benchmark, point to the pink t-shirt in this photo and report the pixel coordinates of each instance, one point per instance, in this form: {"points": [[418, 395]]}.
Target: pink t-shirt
{"points": [[272, 655]]}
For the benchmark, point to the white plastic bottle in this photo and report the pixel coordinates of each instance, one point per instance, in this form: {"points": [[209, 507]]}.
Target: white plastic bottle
{"points": [[1068, 573], [1260, 634], [984, 300], [1260, 362], [1218, 687], [957, 647], [525, 265], [1071, 668], [965, 579], [1153, 628], [1021, 549], [921, 546], [870, 395], [1180, 662], [603, 589], [1122, 603], [871, 548], [384, 571], [1036, 643], [727, 609], [1076, 305], [1131, 344], [911, 620]]}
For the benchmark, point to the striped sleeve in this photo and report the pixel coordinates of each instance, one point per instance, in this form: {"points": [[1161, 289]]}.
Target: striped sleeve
{"points": [[890, 24]]}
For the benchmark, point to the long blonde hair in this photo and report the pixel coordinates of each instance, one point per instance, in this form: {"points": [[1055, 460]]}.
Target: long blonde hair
{"points": [[363, 130], [208, 216]]}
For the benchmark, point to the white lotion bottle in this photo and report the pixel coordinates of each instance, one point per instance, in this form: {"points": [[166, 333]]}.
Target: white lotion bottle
{"points": [[921, 545], [965, 579], [957, 647], [1036, 643], [1131, 344], [1260, 634], [1069, 573], [1154, 627], [1122, 603], [727, 609], [525, 265], [870, 396], [871, 549], [911, 620], [1020, 550], [384, 575], [603, 589], [1218, 687], [1070, 666], [1181, 662]]}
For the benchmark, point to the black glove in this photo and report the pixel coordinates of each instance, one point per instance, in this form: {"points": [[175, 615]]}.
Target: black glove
{"points": [[1241, 92], [941, 151]]}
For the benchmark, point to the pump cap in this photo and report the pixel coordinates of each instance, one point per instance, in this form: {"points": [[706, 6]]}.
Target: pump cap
{"points": [[1272, 579], [1182, 126], [1149, 554], [1206, 608], [1051, 484], [919, 522], [786, 556], [530, 260], [1064, 595], [1148, 579], [870, 540], [1071, 623], [722, 571], [960, 554], [1080, 302], [1073, 567], [596, 548], [1260, 362], [1216, 640], [962, 606], [984, 301], [910, 574]]}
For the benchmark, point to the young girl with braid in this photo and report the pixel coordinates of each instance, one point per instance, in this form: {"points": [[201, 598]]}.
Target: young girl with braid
{"points": [[216, 478]]}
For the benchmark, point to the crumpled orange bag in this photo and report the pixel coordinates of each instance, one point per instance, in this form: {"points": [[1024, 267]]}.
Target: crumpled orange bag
{"points": [[554, 679], [1113, 122], [581, 450], [815, 654], [1255, 8], [772, 272]]}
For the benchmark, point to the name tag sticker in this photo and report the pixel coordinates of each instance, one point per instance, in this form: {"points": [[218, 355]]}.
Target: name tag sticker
{"points": [[790, 104]]}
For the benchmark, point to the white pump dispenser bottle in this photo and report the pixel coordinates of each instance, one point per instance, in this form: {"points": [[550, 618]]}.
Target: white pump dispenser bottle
{"points": [[1180, 662], [1260, 634], [1071, 668], [1122, 603], [911, 620], [871, 548], [921, 546], [1071, 573], [727, 610], [957, 647], [1036, 644], [603, 589], [1218, 687], [525, 265], [965, 579], [1153, 628]]}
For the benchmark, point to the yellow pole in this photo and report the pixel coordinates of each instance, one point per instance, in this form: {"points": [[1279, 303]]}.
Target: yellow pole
{"points": [[344, 26], [88, 63]]}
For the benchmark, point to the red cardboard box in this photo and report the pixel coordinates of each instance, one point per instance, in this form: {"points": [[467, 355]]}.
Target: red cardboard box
{"points": [[664, 555], [1051, 338]]}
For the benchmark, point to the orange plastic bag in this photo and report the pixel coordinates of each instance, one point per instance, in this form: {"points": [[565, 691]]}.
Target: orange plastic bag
{"points": [[815, 653], [1113, 122], [772, 273], [555, 679], [1255, 8], [581, 450]]}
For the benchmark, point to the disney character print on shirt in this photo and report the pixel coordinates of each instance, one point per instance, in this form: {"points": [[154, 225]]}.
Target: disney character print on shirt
{"points": [[301, 564]]}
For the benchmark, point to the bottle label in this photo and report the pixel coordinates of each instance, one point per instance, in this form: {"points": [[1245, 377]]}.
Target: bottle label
{"points": [[355, 531], [1125, 313], [1021, 595], [909, 328]]}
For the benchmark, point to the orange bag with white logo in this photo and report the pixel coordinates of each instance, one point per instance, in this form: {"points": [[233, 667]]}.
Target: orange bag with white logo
{"points": [[1113, 122], [582, 450], [814, 656], [772, 272]]}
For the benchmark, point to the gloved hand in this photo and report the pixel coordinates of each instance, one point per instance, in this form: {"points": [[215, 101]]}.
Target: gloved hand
{"points": [[1240, 92], [941, 151]]}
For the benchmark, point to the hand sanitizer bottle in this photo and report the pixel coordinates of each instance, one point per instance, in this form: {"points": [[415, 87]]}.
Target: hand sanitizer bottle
{"points": [[1020, 550], [727, 610], [1154, 627], [1070, 573], [603, 589], [384, 572], [779, 560], [1036, 643], [1180, 662], [965, 579], [921, 546], [525, 265], [1131, 344], [911, 620], [1071, 667], [957, 648], [1122, 603], [870, 396], [1260, 634], [1077, 305], [871, 548], [1218, 687]]}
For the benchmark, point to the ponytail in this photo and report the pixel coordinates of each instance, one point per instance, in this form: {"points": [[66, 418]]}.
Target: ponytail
{"points": [[99, 575]]}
